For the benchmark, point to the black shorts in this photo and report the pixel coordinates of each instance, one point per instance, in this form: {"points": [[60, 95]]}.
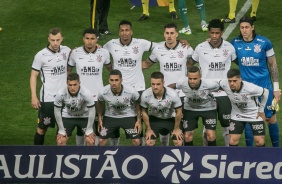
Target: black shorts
{"points": [[112, 124], [71, 123], [161, 126], [237, 127], [223, 110], [46, 117], [190, 119]]}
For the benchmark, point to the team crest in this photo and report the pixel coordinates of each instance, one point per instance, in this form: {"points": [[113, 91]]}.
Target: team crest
{"points": [[46, 121], [231, 126], [104, 131], [244, 97], [185, 124], [257, 48], [135, 50], [225, 53], [203, 93], [99, 58], [64, 56], [180, 54], [126, 100]]}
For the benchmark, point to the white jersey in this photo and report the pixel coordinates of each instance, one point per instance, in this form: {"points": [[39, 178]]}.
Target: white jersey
{"points": [[128, 59], [199, 99], [89, 67], [121, 105], [245, 102], [74, 106], [163, 108], [172, 62], [53, 71], [215, 62]]}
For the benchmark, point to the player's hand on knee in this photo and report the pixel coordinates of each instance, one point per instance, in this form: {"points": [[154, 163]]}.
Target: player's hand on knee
{"points": [[61, 139], [178, 134], [90, 139]]}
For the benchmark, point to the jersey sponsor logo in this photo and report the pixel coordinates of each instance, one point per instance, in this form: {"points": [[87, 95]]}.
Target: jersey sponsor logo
{"points": [[226, 116], [180, 54], [59, 70], [135, 50], [46, 121], [216, 66], [131, 131], [248, 48], [126, 62], [249, 61], [231, 126], [241, 105], [103, 131], [257, 127], [257, 48], [90, 70], [210, 121], [171, 67]]}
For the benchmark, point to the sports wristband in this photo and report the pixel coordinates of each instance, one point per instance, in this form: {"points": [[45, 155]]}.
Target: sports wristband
{"points": [[275, 86]]}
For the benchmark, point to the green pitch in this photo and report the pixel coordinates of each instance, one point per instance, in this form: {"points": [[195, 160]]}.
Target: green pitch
{"points": [[26, 24]]}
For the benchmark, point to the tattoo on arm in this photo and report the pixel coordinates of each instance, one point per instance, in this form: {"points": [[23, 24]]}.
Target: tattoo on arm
{"points": [[273, 68]]}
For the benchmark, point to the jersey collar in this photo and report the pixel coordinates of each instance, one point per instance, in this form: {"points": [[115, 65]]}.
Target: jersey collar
{"points": [[163, 94], [124, 44], [197, 86], [52, 50], [173, 47], [218, 46], [239, 89], [89, 52], [118, 94], [75, 94]]}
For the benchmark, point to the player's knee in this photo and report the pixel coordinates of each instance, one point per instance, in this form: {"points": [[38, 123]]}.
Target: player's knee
{"points": [[136, 142], [41, 131], [233, 140], [188, 136], [271, 120], [150, 142], [210, 135], [102, 142], [178, 143], [259, 141]]}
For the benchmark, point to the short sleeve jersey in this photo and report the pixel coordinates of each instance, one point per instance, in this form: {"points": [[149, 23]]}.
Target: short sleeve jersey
{"points": [[161, 108], [252, 59], [172, 61], [214, 62], [89, 66], [74, 106], [119, 105], [52, 67], [244, 102], [128, 59], [199, 99]]}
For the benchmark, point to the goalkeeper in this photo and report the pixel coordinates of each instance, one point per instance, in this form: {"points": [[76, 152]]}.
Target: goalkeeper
{"points": [[257, 64]]}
